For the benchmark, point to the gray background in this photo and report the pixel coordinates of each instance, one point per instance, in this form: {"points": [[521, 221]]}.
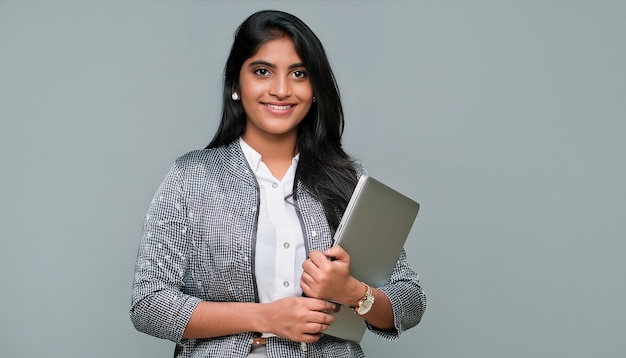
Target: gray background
{"points": [[504, 119]]}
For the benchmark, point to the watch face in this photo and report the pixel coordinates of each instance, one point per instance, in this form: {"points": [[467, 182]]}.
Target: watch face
{"points": [[365, 307]]}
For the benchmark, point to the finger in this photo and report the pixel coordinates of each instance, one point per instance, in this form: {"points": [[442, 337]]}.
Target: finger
{"points": [[310, 290], [309, 266], [322, 318], [318, 258], [337, 253], [308, 279], [311, 337], [325, 319], [305, 284], [319, 305], [316, 328], [334, 307]]}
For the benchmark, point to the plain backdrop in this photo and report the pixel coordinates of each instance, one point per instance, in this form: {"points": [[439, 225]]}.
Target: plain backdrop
{"points": [[505, 119]]}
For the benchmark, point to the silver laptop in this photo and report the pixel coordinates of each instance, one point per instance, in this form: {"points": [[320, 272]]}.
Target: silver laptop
{"points": [[373, 230]]}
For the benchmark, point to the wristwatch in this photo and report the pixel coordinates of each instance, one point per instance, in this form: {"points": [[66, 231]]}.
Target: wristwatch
{"points": [[366, 303]]}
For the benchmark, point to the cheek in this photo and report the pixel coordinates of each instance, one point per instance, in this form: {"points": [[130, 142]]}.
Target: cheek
{"points": [[305, 93], [252, 90]]}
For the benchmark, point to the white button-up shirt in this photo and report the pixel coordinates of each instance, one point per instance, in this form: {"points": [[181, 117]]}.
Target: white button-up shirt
{"points": [[280, 249]]}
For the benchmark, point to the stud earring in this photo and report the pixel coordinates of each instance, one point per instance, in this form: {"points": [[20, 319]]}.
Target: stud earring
{"points": [[313, 98], [234, 96]]}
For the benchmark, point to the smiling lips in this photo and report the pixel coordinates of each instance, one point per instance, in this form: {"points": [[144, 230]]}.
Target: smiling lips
{"points": [[276, 108]]}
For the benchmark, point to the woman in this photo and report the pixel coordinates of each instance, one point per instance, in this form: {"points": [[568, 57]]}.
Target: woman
{"points": [[234, 259]]}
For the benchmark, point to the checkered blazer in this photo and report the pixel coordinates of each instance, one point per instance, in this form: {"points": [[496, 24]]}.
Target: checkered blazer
{"points": [[198, 243]]}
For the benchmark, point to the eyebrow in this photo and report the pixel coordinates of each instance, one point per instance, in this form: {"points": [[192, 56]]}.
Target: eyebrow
{"points": [[265, 63]]}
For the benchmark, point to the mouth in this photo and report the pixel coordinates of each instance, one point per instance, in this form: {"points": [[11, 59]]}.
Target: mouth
{"points": [[277, 107]]}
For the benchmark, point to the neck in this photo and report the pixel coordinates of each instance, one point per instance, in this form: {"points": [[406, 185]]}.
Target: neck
{"points": [[274, 148], [277, 152]]}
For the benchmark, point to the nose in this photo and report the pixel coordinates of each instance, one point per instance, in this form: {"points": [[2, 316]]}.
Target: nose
{"points": [[280, 87]]}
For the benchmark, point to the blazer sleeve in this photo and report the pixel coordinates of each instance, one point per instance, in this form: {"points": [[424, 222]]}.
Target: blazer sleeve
{"points": [[407, 297], [159, 307]]}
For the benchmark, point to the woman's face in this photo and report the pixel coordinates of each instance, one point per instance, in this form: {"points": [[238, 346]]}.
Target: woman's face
{"points": [[275, 91]]}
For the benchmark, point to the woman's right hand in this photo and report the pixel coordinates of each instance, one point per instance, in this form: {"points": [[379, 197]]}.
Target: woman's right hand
{"points": [[299, 319]]}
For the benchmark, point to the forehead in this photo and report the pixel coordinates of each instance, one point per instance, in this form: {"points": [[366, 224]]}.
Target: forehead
{"points": [[278, 51]]}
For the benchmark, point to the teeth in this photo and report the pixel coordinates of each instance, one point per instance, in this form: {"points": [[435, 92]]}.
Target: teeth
{"points": [[273, 106]]}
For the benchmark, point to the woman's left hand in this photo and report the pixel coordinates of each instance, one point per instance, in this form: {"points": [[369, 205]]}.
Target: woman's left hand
{"points": [[327, 276]]}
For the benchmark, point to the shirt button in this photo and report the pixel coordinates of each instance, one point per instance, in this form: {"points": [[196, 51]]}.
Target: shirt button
{"points": [[274, 185], [286, 245], [314, 233], [286, 283]]}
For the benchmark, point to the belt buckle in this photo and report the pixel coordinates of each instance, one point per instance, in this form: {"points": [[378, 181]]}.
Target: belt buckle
{"points": [[258, 341]]}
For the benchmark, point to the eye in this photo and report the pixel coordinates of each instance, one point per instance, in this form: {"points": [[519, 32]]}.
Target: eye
{"points": [[299, 74], [261, 71]]}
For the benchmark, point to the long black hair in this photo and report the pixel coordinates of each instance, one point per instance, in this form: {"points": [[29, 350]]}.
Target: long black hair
{"points": [[324, 168]]}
